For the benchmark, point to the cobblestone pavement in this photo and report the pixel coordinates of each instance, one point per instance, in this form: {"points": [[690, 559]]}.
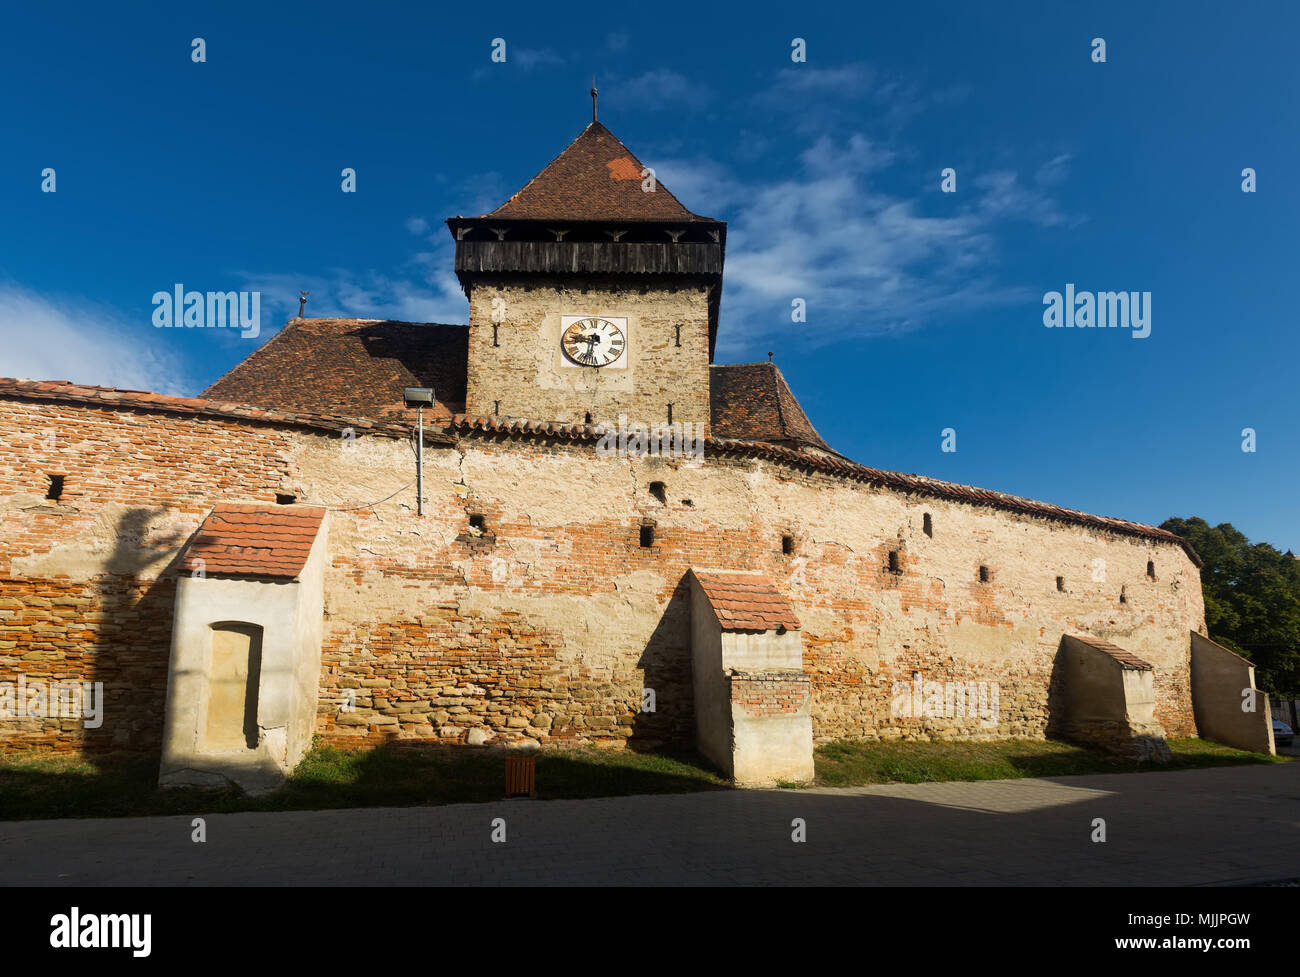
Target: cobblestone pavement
{"points": [[1221, 825]]}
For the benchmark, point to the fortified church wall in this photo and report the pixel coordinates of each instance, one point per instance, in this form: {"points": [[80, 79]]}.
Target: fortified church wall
{"points": [[549, 621], [550, 592]]}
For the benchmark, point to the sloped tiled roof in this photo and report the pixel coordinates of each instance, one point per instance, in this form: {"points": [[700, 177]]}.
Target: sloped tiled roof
{"points": [[355, 366], [752, 402], [598, 179], [64, 391], [449, 430], [746, 601], [1126, 659], [359, 366], [255, 540]]}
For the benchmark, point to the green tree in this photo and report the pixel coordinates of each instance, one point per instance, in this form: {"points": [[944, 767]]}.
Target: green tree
{"points": [[1252, 600]]}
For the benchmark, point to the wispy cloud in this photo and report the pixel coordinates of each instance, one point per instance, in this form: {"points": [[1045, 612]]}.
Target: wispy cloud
{"points": [[530, 58], [822, 99], [838, 232], [661, 88], [864, 260], [427, 292], [47, 337], [522, 58], [1004, 196], [844, 81], [480, 193], [1054, 171]]}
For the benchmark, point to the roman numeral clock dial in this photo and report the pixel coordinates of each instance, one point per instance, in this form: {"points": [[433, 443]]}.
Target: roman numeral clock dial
{"points": [[593, 341]]}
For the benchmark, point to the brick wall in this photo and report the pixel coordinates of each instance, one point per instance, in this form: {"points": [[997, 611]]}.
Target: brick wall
{"points": [[86, 581], [762, 694], [551, 621]]}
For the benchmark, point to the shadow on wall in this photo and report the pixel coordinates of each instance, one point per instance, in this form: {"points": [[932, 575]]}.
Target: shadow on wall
{"points": [[666, 663], [130, 645], [1057, 720]]}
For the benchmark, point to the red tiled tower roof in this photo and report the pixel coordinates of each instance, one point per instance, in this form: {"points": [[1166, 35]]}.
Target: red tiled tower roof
{"points": [[597, 179], [746, 601], [255, 540], [752, 402]]}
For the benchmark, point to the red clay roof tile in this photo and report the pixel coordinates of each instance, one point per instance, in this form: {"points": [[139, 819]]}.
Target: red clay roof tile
{"points": [[355, 366], [1125, 658], [752, 401], [254, 540], [595, 178], [746, 601]]}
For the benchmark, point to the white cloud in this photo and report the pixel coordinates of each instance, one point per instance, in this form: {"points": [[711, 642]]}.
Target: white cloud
{"points": [[865, 261], [45, 337], [830, 99], [480, 194], [417, 225], [659, 89], [1004, 196], [430, 294], [850, 80], [868, 260], [530, 58], [1054, 171]]}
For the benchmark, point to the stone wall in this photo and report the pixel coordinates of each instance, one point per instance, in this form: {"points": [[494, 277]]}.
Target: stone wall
{"points": [[86, 588], [550, 621], [526, 374]]}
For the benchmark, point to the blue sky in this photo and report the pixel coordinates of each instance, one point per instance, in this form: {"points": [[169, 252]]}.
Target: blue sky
{"points": [[924, 308]]}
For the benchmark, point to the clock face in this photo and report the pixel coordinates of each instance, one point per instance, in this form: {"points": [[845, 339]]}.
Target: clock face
{"points": [[593, 341]]}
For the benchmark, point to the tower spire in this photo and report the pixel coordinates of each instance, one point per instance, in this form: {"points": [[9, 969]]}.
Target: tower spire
{"points": [[594, 93]]}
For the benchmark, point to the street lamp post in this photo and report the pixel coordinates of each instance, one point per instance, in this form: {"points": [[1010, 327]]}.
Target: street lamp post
{"points": [[419, 398]]}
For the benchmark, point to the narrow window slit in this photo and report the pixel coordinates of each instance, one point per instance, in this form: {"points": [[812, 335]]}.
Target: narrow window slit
{"points": [[55, 490]]}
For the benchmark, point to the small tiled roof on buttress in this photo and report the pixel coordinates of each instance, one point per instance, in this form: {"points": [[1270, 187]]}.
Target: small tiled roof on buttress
{"points": [[255, 540], [1125, 658], [746, 601]]}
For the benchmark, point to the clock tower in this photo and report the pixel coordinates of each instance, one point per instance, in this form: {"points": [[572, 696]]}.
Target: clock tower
{"points": [[593, 293]]}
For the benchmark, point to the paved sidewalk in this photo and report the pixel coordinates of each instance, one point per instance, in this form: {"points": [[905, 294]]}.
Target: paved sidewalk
{"points": [[1220, 825]]}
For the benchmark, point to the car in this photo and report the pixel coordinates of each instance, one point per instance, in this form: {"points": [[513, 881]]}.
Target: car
{"points": [[1282, 733]]}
